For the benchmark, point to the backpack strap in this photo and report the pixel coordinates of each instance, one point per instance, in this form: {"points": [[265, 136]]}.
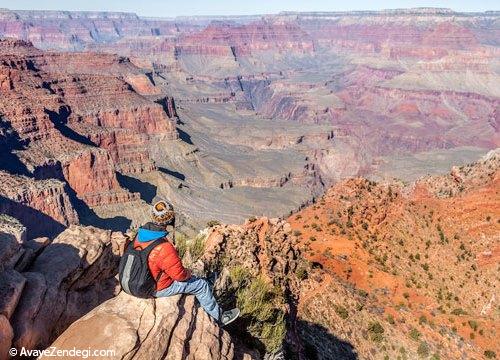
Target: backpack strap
{"points": [[144, 253], [151, 246]]}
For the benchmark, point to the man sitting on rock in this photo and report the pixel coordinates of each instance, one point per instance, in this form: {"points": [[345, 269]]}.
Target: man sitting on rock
{"points": [[153, 242]]}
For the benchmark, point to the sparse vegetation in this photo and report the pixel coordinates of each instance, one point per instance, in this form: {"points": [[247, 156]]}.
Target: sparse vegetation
{"points": [[262, 306], [341, 311], [423, 349], [414, 334], [458, 312], [239, 275], [213, 223], [301, 272], [195, 246], [473, 325], [490, 354], [376, 331]]}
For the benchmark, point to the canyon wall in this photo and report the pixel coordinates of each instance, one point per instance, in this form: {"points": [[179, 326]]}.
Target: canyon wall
{"points": [[71, 121]]}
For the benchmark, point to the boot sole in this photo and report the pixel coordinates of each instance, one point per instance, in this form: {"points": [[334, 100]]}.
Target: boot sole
{"points": [[234, 318]]}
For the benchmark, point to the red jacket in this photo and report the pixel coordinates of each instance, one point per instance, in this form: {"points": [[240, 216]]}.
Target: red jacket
{"points": [[164, 259]]}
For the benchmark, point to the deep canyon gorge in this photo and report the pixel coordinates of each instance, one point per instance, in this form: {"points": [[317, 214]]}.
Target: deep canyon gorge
{"points": [[358, 151]]}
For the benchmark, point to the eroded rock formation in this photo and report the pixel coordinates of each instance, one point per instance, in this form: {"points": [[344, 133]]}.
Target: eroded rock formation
{"points": [[46, 285], [409, 268], [170, 328]]}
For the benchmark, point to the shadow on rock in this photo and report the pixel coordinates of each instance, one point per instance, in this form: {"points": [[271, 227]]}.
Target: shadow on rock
{"points": [[10, 142], [60, 121], [184, 136], [89, 217], [62, 285], [146, 190], [37, 223], [175, 174], [319, 344]]}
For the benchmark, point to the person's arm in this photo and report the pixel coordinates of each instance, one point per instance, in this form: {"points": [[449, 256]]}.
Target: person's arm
{"points": [[171, 264]]}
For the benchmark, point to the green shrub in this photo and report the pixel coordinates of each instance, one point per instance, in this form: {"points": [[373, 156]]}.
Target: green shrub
{"points": [[262, 305], [341, 311], [181, 244], [458, 312], [414, 334], [213, 223], [473, 324], [196, 247], [301, 272], [423, 349], [490, 354], [239, 275], [376, 330], [362, 293]]}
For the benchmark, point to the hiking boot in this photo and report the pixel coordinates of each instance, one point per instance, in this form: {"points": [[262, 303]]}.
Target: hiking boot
{"points": [[229, 316]]}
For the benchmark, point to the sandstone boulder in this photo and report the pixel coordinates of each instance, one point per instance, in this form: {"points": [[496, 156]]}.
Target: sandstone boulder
{"points": [[71, 276], [167, 328], [11, 286], [6, 335]]}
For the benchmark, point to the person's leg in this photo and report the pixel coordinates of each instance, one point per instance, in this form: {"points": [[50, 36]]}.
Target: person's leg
{"points": [[197, 287]]}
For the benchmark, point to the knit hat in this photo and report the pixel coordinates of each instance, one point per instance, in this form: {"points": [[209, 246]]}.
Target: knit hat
{"points": [[163, 213]]}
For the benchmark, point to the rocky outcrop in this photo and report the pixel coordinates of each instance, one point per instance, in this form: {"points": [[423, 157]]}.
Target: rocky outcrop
{"points": [[48, 285], [43, 206], [396, 266], [172, 328], [67, 290], [225, 40], [263, 246], [176, 327], [464, 178], [76, 30]]}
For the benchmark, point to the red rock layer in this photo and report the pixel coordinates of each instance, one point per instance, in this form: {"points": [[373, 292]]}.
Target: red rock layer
{"points": [[44, 207], [82, 126], [226, 40], [420, 261]]}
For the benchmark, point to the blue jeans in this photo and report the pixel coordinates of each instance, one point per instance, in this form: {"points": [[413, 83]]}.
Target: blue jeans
{"points": [[197, 287]]}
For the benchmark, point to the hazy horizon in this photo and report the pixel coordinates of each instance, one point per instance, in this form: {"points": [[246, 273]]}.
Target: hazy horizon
{"points": [[157, 8]]}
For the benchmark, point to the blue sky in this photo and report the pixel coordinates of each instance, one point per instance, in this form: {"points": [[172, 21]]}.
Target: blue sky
{"points": [[241, 7]]}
